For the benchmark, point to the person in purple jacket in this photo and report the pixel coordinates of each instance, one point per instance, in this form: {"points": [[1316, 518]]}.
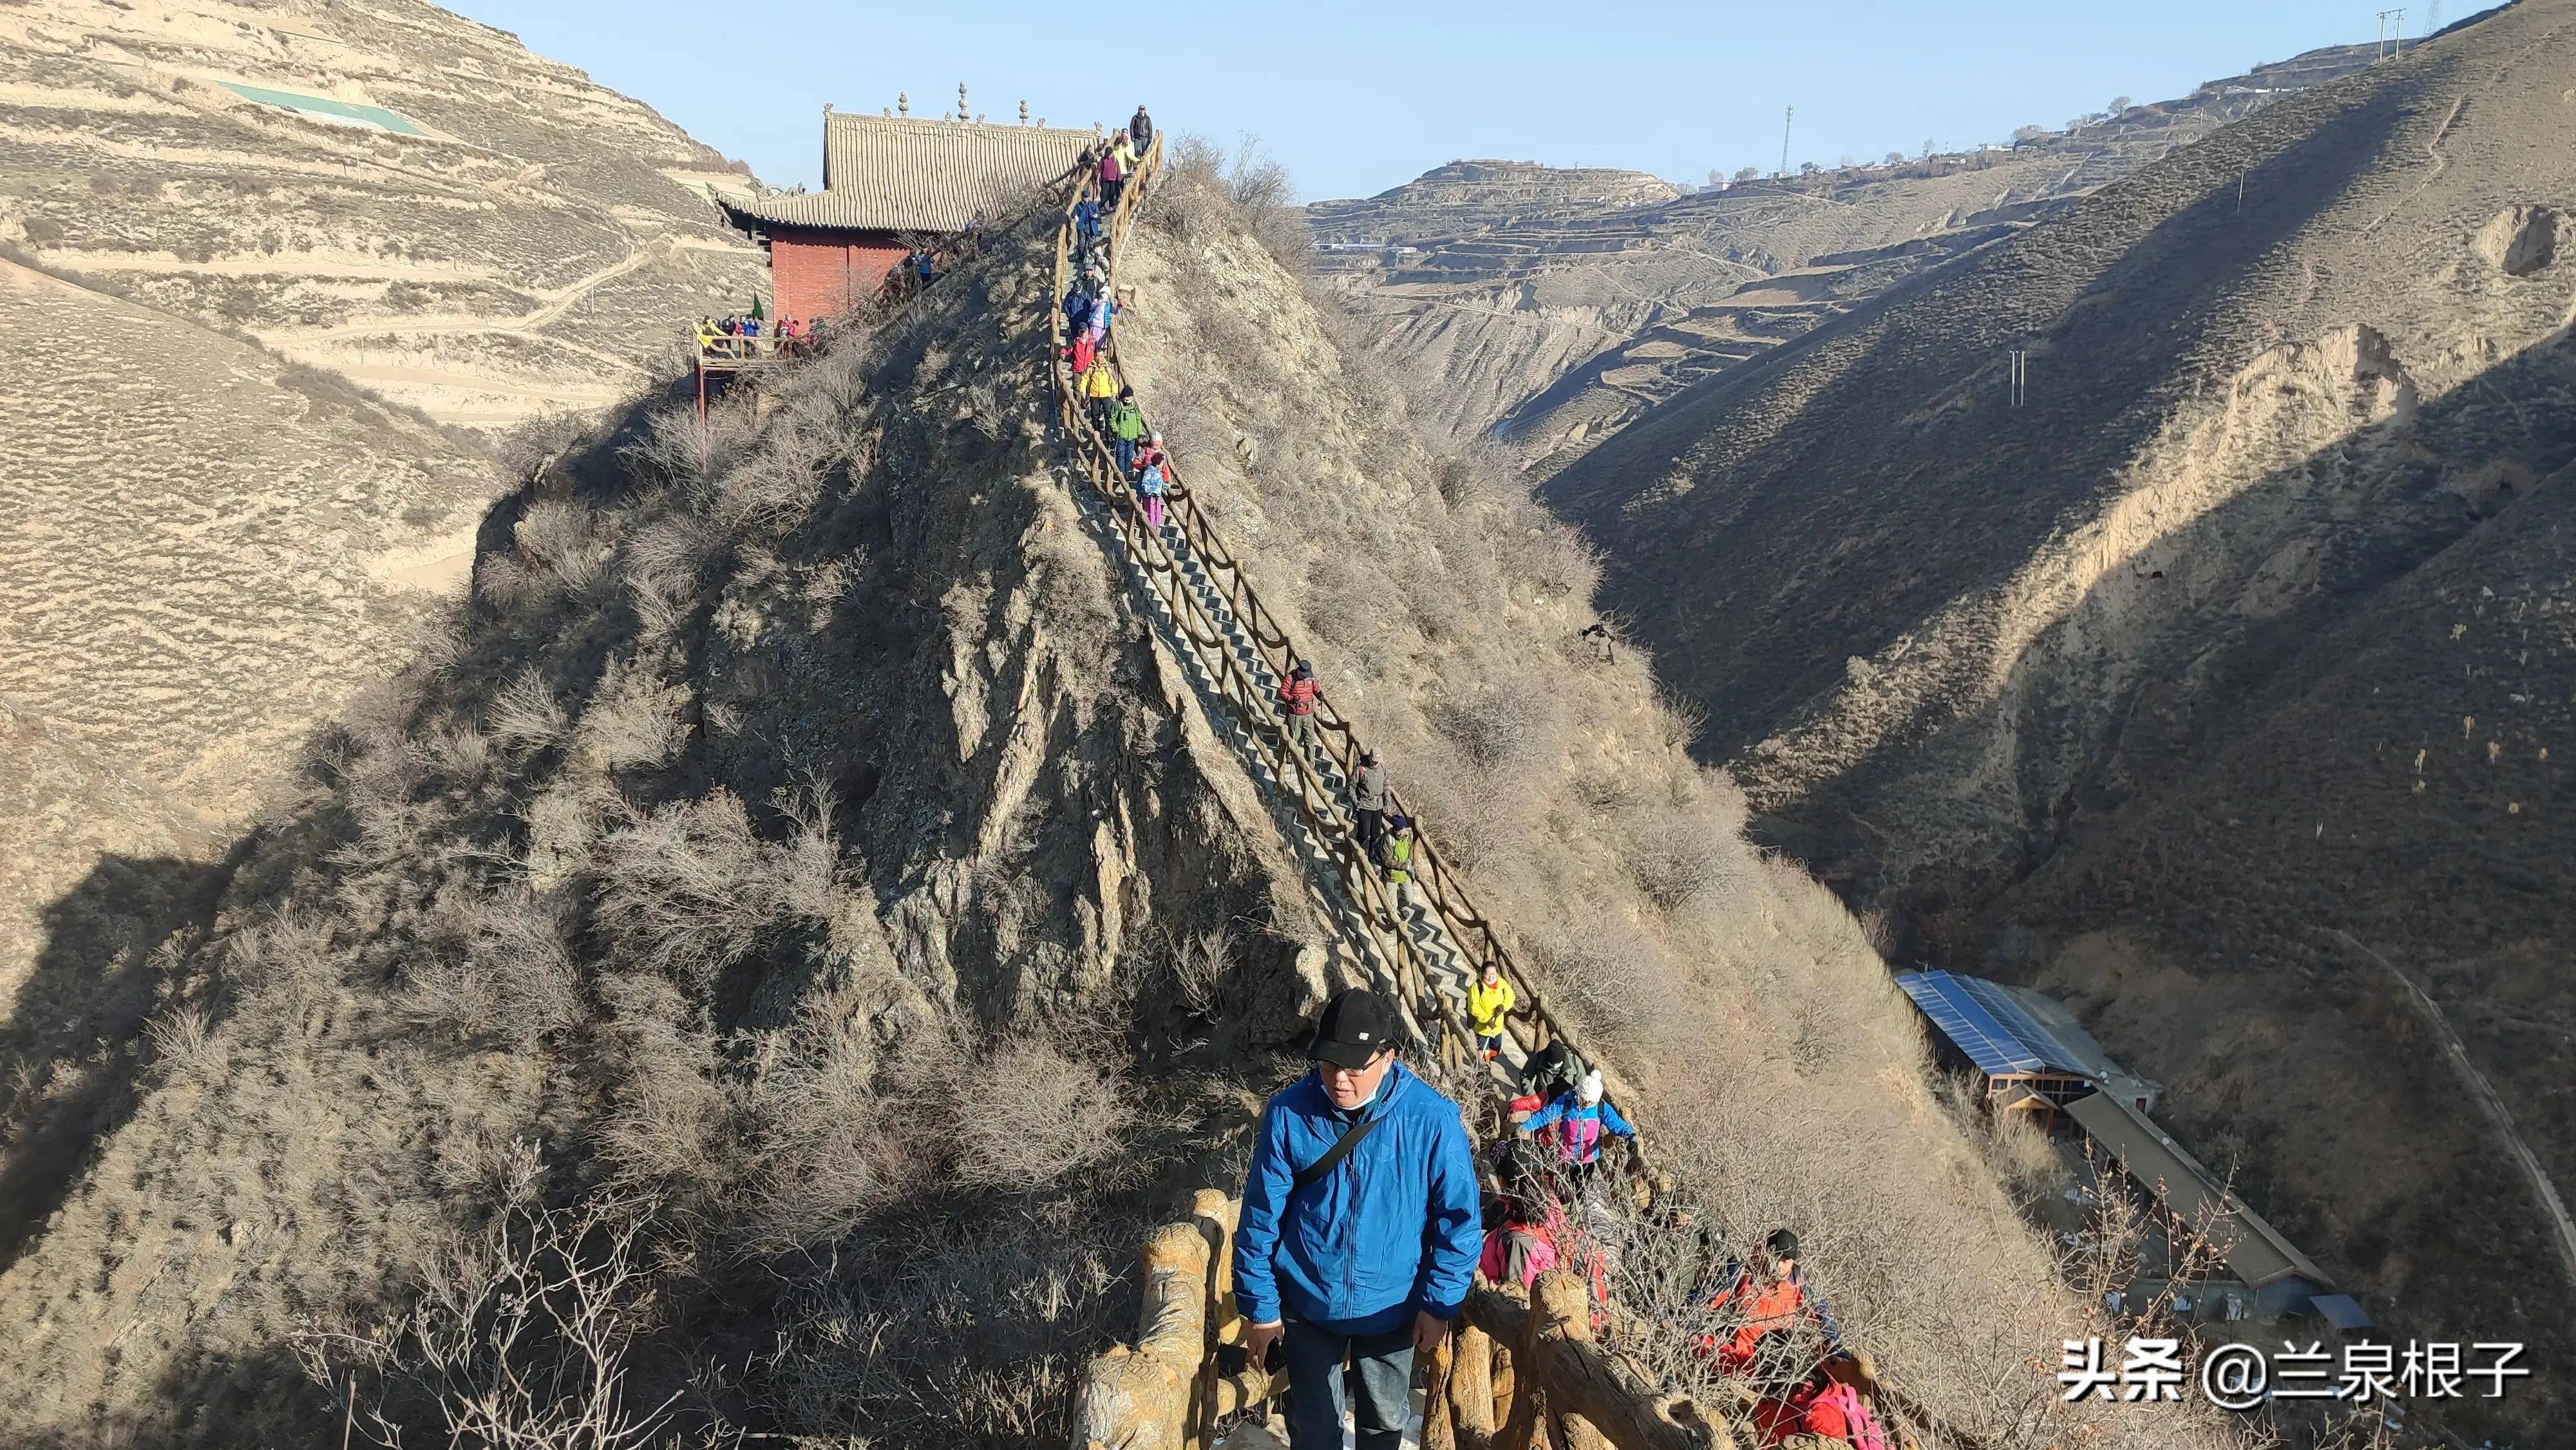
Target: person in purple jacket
{"points": [[1361, 1228]]}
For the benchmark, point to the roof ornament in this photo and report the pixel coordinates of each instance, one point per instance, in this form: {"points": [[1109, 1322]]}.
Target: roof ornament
{"points": [[902, 103], [962, 112], [1024, 113]]}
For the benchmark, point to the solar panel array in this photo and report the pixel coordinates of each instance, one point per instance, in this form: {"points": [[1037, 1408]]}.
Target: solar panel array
{"points": [[2037, 1038], [1990, 1044]]}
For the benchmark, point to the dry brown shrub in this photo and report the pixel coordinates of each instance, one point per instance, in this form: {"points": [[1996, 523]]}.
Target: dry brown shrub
{"points": [[182, 1043], [525, 716], [1681, 856], [690, 890], [1202, 190], [1507, 726], [965, 1331], [773, 488], [1028, 1114], [566, 541], [498, 968], [831, 1143], [633, 720], [520, 1339], [288, 959], [671, 1129]]}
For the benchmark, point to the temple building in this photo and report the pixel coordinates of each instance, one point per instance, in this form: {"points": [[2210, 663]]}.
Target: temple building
{"points": [[892, 183]]}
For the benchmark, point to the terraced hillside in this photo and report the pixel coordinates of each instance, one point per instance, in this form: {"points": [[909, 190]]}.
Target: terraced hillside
{"points": [[449, 220], [211, 545], [1556, 305], [2224, 685]]}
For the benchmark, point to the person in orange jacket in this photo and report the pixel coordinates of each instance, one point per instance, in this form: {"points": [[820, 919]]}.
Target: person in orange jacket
{"points": [[1766, 1295]]}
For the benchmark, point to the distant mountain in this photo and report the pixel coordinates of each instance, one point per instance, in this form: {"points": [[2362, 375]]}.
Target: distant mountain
{"points": [[1555, 305], [2223, 682]]}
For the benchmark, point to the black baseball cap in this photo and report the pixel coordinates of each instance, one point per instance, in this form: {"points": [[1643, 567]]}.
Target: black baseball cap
{"points": [[1354, 1025]]}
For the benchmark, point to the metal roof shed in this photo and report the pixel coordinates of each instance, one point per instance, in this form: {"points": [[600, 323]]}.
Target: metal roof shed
{"points": [[2025, 1067], [2255, 1251]]}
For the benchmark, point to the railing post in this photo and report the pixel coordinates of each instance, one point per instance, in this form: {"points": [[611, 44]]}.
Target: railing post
{"points": [[1439, 1430], [1471, 1387]]}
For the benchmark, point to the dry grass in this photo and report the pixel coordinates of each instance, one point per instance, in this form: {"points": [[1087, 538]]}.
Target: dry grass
{"points": [[1027, 1115]]}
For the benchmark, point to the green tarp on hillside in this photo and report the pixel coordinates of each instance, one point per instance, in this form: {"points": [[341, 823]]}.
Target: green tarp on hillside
{"points": [[324, 108]]}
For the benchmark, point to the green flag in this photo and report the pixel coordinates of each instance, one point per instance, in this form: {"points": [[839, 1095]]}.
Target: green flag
{"points": [[756, 313]]}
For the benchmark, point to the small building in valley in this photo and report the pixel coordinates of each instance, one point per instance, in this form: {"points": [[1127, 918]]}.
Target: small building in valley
{"points": [[2034, 1055], [2037, 1059], [892, 184]]}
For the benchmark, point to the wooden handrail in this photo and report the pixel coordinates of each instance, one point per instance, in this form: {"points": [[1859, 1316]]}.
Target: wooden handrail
{"points": [[1443, 891]]}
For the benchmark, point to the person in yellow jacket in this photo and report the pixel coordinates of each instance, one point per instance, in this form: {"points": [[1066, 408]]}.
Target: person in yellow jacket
{"points": [[1489, 999], [1099, 389]]}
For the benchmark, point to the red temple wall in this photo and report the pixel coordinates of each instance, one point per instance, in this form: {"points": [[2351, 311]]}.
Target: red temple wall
{"points": [[823, 273]]}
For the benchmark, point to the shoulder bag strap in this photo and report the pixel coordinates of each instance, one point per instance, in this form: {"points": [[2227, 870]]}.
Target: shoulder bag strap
{"points": [[1334, 1155]]}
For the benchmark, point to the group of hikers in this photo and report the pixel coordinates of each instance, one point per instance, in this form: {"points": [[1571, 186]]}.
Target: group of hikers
{"points": [[1090, 306], [738, 334], [1367, 1218]]}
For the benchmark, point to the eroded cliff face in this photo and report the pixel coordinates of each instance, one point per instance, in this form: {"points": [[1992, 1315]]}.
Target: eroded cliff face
{"points": [[2146, 687]]}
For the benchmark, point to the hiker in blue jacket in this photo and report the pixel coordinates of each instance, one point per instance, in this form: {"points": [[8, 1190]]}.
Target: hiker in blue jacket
{"points": [[1086, 219], [1361, 1227]]}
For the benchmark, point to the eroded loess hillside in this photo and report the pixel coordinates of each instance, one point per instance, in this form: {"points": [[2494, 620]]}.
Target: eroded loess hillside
{"points": [[2222, 685], [511, 239], [214, 536], [802, 879], [1552, 307]]}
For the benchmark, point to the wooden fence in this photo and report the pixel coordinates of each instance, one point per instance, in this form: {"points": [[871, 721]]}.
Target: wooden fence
{"points": [[1473, 930]]}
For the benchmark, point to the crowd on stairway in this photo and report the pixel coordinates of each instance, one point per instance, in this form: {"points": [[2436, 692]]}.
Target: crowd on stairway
{"points": [[1344, 1274]]}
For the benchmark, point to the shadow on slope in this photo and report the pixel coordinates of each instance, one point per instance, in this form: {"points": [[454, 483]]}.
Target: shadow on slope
{"points": [[1692, 503], [69, 1044]]}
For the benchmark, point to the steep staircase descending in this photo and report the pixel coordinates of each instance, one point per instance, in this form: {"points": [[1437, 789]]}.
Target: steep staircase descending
{"points": [[1422, 944]]}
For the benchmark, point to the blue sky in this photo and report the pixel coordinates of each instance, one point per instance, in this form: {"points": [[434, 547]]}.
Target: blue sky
{"points": [[1358, 98]]}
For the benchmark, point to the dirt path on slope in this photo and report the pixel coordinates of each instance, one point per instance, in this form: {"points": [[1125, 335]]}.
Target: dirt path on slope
{"points": [[2563, 1230], [559, 301]]}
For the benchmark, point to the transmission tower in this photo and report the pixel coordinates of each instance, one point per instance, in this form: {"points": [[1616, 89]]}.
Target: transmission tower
{"points": [[2392, 34], [1786, 117]]}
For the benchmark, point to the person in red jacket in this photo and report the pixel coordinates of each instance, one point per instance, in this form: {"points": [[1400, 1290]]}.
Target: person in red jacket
{"points": [[1299, 693]]}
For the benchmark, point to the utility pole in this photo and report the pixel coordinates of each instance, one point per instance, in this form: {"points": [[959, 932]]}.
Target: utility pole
{"points": [[2392, 34], [2020, 375], [1786, 117]]}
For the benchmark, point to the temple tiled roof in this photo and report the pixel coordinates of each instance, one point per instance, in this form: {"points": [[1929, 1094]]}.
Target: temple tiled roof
{"points": [[899, 173]]}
